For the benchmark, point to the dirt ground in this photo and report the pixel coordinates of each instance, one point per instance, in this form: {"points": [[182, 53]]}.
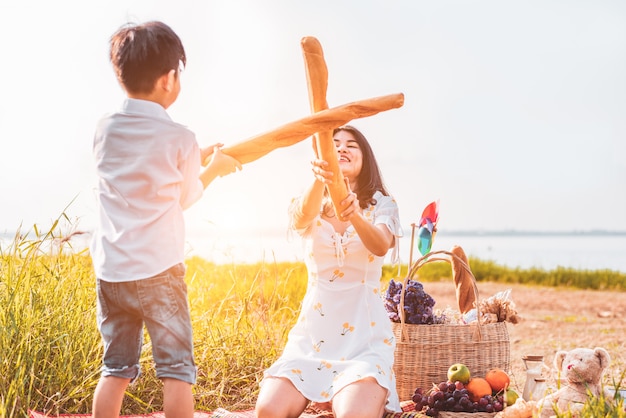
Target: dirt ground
{"points": [[556, 319]]}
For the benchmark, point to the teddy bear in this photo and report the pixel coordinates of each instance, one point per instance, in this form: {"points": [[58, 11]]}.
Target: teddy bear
{"points": [[581, 371]]}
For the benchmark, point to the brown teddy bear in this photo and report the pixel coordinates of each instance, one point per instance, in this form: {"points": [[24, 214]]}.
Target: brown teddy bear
{"points": [[581, 371]]}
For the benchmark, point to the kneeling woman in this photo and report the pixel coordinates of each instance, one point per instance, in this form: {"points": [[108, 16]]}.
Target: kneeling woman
{"points": [[341, 349]]}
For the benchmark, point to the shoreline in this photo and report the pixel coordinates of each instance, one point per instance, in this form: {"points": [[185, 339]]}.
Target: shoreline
{"points": [[547, 251]]}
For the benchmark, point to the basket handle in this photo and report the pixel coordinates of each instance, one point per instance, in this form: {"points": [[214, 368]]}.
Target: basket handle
{"points": [[429, 258]]}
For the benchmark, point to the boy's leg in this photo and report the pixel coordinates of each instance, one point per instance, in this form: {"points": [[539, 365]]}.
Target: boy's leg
{"points": [[121, 334], [166, 315], [177, 399], [107, 400]]}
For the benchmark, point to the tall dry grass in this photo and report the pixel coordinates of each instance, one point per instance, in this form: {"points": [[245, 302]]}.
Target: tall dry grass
{"points": [[50, 348]]}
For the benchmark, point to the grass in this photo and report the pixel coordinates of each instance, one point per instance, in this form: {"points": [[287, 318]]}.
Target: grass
{"points": [[47, 358], [50, 349]]}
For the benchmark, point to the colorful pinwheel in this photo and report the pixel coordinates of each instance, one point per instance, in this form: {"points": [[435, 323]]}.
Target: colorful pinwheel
{"points": [[428, 227]]}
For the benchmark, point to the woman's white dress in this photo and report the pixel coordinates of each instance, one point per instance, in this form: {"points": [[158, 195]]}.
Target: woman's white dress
{"points": [[343, 333]]}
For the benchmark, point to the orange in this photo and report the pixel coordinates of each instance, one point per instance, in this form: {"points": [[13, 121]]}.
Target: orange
{"points": [[498, 380], [477, 388]]}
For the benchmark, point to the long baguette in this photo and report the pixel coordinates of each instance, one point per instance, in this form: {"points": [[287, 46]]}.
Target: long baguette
{"points": [[317, 82], [291, 133], [316, 73], [463, 282]]}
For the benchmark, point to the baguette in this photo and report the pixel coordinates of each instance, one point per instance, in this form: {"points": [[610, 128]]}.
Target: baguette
{"points": [[465, 286], [317, 82], [253, 148]]}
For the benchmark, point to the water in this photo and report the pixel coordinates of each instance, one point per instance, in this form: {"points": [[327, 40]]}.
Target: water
{"points": [[546, 251], [577, 251]]}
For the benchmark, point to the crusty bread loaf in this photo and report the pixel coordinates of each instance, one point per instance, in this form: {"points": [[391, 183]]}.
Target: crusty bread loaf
{"points": [[465, 286], [322, 120], [317, 81], [291, 133], [316, 73]]}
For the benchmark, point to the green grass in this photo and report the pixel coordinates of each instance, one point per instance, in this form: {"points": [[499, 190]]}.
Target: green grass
{"points": [[50, 349]]}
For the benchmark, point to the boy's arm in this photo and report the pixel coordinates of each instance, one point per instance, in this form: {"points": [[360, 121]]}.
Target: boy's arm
{"points": [[219, 165]]}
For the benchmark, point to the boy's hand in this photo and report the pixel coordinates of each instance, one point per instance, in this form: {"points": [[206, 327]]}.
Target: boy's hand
{"points": [[205, 153], [222, 164]]}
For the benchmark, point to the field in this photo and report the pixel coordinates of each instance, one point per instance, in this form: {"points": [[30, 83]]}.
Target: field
{"points": [[50, 348]]}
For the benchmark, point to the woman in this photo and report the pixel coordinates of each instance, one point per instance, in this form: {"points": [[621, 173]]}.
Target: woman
{"points": [[341, 349]]}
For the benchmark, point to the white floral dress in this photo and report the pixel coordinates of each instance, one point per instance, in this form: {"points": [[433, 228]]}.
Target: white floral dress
{"points": [[343, 333]]}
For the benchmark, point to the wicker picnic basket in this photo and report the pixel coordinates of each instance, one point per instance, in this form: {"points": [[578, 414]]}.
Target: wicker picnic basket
{"points": [[424, 353]]}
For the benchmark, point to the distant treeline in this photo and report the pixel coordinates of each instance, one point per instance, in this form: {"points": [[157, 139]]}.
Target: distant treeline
{"points": [[488, 271]]}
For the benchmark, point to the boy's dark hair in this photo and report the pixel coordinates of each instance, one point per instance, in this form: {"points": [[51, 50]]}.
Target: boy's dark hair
{"points": [[141, 53]]}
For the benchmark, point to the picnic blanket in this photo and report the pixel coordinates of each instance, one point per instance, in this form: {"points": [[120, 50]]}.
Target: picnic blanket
{"points": [[407, 408], [220, 413]]}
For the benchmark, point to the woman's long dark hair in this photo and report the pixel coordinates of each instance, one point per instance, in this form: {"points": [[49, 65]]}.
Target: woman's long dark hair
{"points": [[369, 179]]}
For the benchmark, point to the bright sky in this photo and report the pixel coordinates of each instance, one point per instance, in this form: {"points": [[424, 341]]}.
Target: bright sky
{"points": [[514, 115]]}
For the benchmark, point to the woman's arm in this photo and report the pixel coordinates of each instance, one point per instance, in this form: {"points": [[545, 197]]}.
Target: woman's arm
{"points": [[378, 239], [311, 201], [309, 206]]}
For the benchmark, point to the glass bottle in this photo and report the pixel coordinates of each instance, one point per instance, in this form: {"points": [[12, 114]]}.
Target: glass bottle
{"points": [[539, 389], [534, 365]]}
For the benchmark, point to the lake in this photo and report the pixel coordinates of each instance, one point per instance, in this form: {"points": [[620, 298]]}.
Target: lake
{"points": [[542, 250], [582, 251]]}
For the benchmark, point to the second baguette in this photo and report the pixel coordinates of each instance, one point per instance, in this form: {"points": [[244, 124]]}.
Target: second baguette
{"points": [[463, 281], [293, 132], [317, 82]]}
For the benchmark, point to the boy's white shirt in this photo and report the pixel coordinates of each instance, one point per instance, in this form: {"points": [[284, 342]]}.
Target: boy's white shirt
{"points": [[148, 172]]}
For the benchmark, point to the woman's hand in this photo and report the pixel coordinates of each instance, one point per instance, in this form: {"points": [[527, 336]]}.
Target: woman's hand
{"points": [[319, 168], [351, 204]]}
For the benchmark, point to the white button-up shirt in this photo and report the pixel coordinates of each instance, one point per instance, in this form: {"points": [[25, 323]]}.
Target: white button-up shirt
{"points": [[148, 171]]}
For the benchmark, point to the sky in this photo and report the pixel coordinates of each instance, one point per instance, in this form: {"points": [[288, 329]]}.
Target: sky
{"points": [[514, 113]]}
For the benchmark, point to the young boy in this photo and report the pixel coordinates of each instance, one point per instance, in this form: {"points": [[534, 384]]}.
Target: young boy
{"points": [[149, 171]]}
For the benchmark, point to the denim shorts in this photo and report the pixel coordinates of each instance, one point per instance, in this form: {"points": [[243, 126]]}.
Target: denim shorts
{"points": [[159, 302]]}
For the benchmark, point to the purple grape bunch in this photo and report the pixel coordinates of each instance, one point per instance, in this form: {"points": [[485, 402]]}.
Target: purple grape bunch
{"points": [[418, 305], [453, 397]]}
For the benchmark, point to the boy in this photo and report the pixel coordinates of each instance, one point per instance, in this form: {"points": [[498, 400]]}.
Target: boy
{"points": [[149, 171]]}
